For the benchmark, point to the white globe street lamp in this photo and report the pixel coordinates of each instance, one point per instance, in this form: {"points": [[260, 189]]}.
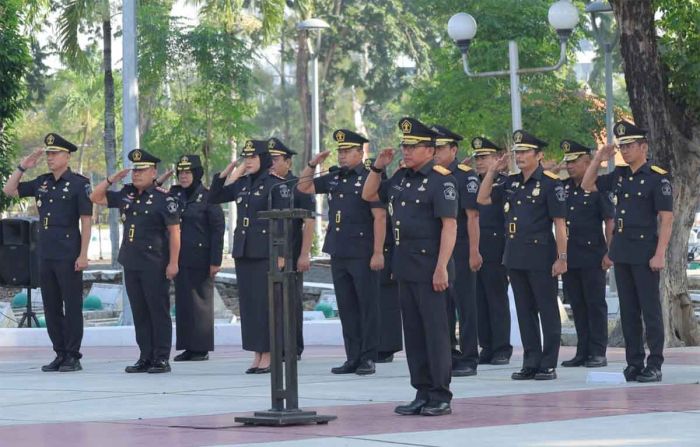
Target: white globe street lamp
{"points": [[563, 17]]}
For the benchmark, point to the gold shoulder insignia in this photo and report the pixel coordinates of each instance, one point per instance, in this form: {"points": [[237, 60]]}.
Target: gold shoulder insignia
{"points": [[441, 170], [163, 190], [512, 174], [463, 167], [550, 174], [277, 176], [659, 170]]}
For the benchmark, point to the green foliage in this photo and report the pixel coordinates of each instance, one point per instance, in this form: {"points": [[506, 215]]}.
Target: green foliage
{"points": [[553, 105], [679, 44], [15, 62], [203, 104]]}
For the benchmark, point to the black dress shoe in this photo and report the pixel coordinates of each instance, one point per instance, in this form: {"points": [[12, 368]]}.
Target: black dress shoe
{"points": [[198, 356], [631, 372], [649, 374], [386, 359], [141, 366], [546, 374], [500, 360], [262, 370], [411, 408], [251, 370], [365, 368], [578, 360], [436, 409], [596, 361], [159, 366], [345, 368], [70, 364], [464, 371], [54, 365], [485, 358], [184, 356], [524, 374]]}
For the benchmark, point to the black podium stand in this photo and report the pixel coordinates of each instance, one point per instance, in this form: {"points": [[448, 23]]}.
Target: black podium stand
{"points": [[282, 288]]}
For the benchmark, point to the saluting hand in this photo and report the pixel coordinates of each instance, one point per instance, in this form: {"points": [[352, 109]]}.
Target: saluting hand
{"points": [[499, 164], [320, 158], [386, 156], [32, 159], [119, 176], [605, 152]]}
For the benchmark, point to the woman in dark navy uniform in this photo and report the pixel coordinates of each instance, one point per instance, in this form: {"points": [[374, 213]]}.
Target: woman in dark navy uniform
{"points": [[250, 185], [202, 226], [149, 252]]}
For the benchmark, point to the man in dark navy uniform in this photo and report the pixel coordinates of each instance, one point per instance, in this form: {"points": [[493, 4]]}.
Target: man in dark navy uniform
{"points": [[643, 197], [302, 229], [62, 199], [355, 240], [532, 200], [492, 279], [422, 199], [149, 253], [466, 252], [584, 281]]}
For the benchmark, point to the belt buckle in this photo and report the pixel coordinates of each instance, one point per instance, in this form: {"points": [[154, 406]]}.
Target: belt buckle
{"points": [[46, 222], [620, 224], [131, 233], [511, 228], [337, 217], [396, 235], [246, 221]]}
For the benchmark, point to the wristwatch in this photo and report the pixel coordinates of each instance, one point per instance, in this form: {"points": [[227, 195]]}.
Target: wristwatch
{"points": [[310, 165], [20, 168], [376, 169], [562, 256]]}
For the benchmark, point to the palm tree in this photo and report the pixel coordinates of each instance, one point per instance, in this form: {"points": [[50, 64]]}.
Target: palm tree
{"points": [[73, 15]]}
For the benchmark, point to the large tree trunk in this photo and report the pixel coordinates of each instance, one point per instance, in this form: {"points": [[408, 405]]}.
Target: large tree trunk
{"points": [[110, 132], [674, 142], [303, 94]]}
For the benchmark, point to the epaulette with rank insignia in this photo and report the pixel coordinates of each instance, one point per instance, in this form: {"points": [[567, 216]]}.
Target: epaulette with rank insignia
{"points": [[463, 167], [659, 170], [163, 190], [277, 176], [550, 174], [81, 176], [441, 170]]}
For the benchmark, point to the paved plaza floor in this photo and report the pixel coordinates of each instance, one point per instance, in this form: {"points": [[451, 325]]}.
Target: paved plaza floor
{"points": [[196, 404]]}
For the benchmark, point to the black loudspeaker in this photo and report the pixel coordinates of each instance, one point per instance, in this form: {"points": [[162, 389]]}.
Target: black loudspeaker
{"points": [[19, 259]]}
